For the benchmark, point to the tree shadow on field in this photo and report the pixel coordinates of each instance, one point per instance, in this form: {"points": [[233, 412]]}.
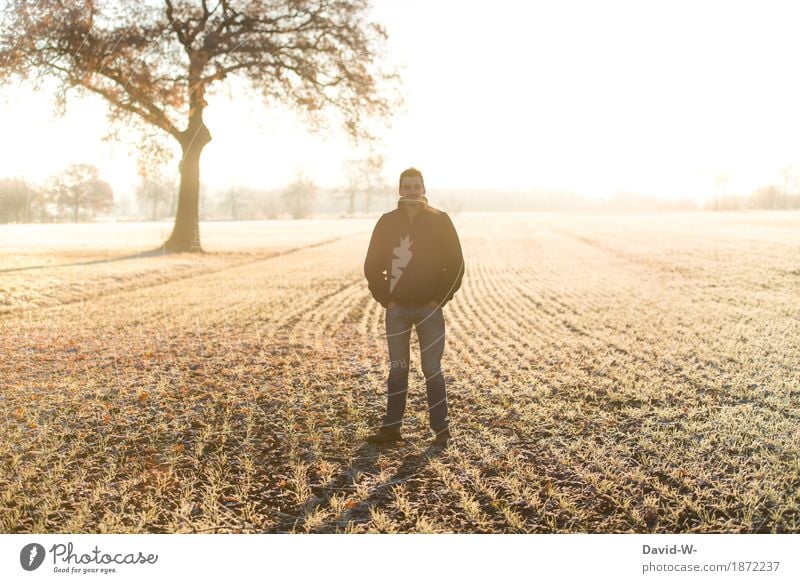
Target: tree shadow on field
{"points": [[161, 252], [365, 462], [141, 255]]}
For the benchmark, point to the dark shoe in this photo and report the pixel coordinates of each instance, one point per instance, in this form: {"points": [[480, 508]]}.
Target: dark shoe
{"points": [[385, 435], [443, 437]]}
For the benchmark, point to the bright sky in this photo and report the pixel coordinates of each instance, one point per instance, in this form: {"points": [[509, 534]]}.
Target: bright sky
{"points": [[652, 97]]}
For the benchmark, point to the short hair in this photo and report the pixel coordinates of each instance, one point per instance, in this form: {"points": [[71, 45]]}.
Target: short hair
{"points": [[411, 172]]}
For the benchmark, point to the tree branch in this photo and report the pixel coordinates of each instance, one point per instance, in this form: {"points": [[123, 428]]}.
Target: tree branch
{"points": [[152, 114]]}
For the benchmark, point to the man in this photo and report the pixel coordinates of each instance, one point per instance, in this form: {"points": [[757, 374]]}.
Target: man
{"points": [[414, 266]]}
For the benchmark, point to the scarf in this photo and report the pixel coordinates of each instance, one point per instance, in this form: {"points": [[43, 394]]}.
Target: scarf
{"points": [[421, 200]]}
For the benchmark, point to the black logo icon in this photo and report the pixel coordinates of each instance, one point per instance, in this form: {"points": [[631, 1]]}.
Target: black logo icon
{"points": [[31, 556]]}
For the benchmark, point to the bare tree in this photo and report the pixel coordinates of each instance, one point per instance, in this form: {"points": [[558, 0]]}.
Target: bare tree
{"points": [[299, 197], [79, 187], [789, 175], [234, 199], [354, 175], [364, 178], [15, 200], [155, 193], [267, 203], [156, 60], [720, 182]]}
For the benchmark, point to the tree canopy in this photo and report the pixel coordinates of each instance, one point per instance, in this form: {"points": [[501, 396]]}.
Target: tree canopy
{"points": [[156, 61]]}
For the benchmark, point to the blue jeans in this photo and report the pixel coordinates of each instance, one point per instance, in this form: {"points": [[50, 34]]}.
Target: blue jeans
{"points": [[429, 323]]}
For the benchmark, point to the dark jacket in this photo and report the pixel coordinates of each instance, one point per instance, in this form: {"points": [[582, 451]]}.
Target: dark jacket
{"points": [[414, 262]]}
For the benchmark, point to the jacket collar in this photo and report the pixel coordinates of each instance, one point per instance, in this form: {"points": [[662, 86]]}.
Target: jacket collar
{"points": [[403, 201]]}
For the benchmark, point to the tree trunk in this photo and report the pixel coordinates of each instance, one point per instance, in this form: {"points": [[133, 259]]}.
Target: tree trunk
{"points": [[186, 232]]}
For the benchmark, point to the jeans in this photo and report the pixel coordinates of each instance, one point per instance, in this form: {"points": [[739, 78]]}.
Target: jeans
{"points": [[429, 323]]}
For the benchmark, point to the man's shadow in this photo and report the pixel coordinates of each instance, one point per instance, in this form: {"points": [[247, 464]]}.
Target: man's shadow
{"points": [[365, 462]]}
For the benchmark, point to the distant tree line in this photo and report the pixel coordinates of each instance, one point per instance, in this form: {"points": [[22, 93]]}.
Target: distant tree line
{"points": [[79, 194], [770, 197], [782, 196], [300, 199], [76, 194]]}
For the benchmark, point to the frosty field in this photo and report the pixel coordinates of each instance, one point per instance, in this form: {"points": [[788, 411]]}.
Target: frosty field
{"points": [[605, 374]]}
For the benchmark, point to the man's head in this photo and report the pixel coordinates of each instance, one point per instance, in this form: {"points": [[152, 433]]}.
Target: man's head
{"points": [[412, 184]]}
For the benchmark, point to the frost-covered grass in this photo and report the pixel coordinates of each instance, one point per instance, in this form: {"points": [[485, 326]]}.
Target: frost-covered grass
{"points": [[605, 374]]}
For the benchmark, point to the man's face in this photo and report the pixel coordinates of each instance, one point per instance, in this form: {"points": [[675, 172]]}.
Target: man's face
{"points": [[411, 187]]}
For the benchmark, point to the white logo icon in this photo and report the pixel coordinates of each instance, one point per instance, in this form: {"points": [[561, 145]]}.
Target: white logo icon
{"points": [[402, 255], [31, 556]]}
